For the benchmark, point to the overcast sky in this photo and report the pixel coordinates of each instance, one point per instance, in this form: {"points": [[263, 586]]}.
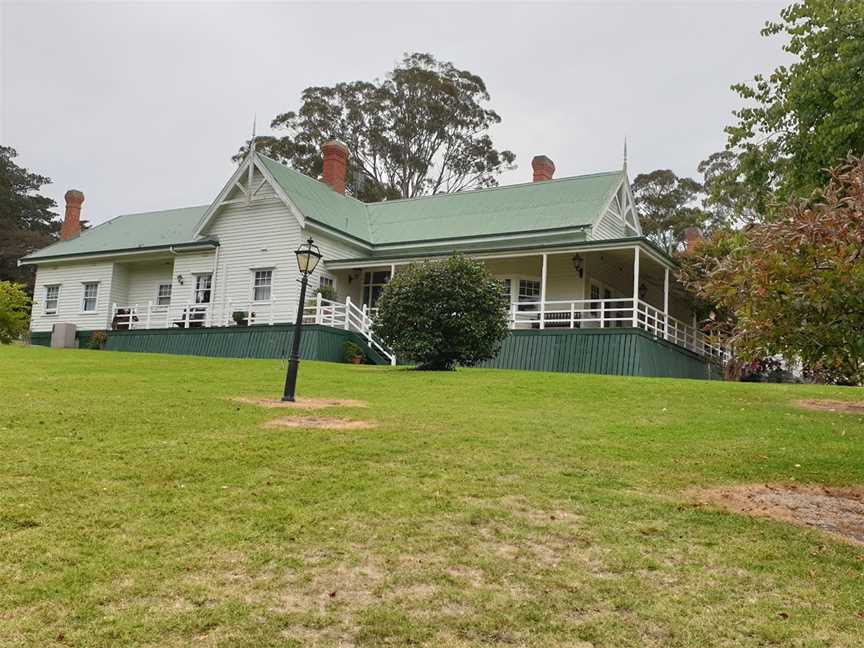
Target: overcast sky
{"points": [[141, 105]]}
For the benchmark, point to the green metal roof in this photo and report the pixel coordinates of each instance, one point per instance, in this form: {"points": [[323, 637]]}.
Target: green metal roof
{"points": [[550, 206], [534, 206], [319, 202], [131, 231]]}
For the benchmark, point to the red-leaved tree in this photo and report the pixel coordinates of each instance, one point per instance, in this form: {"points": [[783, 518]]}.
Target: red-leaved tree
{"points": [[795, 286]]}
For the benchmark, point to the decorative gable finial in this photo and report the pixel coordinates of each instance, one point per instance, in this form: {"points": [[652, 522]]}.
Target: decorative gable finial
{"points": [[625, 153], [252, 140]]}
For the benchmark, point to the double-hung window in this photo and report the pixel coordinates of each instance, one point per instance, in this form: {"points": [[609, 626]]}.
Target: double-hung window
{"points": [[529, 291], [52, 298], [91, 292], [163, 295], [203, 285], [262, 285], [325, 282]]}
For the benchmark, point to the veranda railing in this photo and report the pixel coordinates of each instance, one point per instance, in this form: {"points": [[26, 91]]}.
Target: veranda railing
{"points": [[151, 316], [346, 316], [613, 313]]}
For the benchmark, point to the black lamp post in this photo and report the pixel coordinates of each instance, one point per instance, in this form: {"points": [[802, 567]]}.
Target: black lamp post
{"points": [[308, 256]]}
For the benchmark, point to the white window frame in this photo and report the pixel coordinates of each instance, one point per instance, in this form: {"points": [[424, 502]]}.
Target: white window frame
{"points": [[56, 300], [95, 297], [255, 285], [159, 295], [514, 280], [326, 280], [198, 276]]}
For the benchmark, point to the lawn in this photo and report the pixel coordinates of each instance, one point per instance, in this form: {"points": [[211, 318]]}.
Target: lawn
{"points": [[141, 507]]}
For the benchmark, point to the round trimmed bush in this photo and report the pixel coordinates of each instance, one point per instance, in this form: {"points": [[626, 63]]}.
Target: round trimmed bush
{"points": [[440, 314]]}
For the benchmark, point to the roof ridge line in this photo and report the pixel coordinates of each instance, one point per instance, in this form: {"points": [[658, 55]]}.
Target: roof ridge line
{"points": [[455, 193], [499, 187]]}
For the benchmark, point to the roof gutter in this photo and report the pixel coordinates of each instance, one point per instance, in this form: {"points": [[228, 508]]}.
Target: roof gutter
{"points": [[524, 250], [80, 256]]}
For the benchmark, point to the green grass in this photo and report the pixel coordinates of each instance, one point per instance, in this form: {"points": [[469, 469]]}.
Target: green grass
{"points": [[139, 507]]}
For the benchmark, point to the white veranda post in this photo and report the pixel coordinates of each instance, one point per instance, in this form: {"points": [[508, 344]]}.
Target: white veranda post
{"points": [[635, 287], [666, 303], [543, 293]]}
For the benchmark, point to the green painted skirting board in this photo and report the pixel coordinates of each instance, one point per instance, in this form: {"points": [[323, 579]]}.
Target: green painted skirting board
{"points": [[318, 342], [622, 352], [619, 352]]}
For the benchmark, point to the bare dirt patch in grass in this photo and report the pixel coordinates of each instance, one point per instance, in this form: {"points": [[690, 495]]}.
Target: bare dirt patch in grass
{"points": [[319, 423], [836, 511], [847, 407], [300, 403]]}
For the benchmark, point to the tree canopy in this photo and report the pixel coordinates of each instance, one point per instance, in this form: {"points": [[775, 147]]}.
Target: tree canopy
{"points": [[441, 314], [14, 311], [423, 129], [794, 286], [801, 119], [26, 220], [667, 205]]}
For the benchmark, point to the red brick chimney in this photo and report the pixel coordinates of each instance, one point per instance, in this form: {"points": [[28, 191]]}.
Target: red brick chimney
{"points": [[544, 168], [335, 164], [72, 221], [692, 237]]}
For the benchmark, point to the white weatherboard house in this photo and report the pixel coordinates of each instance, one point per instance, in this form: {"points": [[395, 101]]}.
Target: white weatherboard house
{"points": [[569, 253]]}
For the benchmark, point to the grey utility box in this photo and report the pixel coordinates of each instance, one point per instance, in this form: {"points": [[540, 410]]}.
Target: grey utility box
{"points": [[63, 336]]}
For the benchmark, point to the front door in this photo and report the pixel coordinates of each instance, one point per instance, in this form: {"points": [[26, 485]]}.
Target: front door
{"points": [[373, 285]]}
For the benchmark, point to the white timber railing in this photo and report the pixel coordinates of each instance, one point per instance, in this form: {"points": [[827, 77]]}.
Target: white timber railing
{"points": [[249, 313], [523, 315], [347, 316], [152, 316], [614, 313]]}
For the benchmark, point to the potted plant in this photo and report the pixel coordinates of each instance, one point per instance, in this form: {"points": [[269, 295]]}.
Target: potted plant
{"points": [[240, 318], [98, 340], [352, 353]]}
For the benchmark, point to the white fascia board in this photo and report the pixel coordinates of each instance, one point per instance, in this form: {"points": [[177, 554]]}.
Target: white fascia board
{"points": [[607, 204], [295, 211], [233, 181], [629, 193], [216, 204], [590, 246]]}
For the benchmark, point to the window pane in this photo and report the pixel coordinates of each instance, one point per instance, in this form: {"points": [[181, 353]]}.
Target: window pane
{"points": [[528, 289], [381, 277], [52, 296], [163, 297], [90, 292], [261, 287], [262, 293], [202, 288]]}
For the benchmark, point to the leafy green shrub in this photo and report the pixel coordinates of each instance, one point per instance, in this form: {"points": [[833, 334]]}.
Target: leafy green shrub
{"points": [[98, 340], [14, 311], [328, 292], [350, 351], [440, 314]]}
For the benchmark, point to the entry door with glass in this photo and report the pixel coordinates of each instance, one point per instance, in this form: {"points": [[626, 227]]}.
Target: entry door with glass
{"points": [[373, 285]]}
